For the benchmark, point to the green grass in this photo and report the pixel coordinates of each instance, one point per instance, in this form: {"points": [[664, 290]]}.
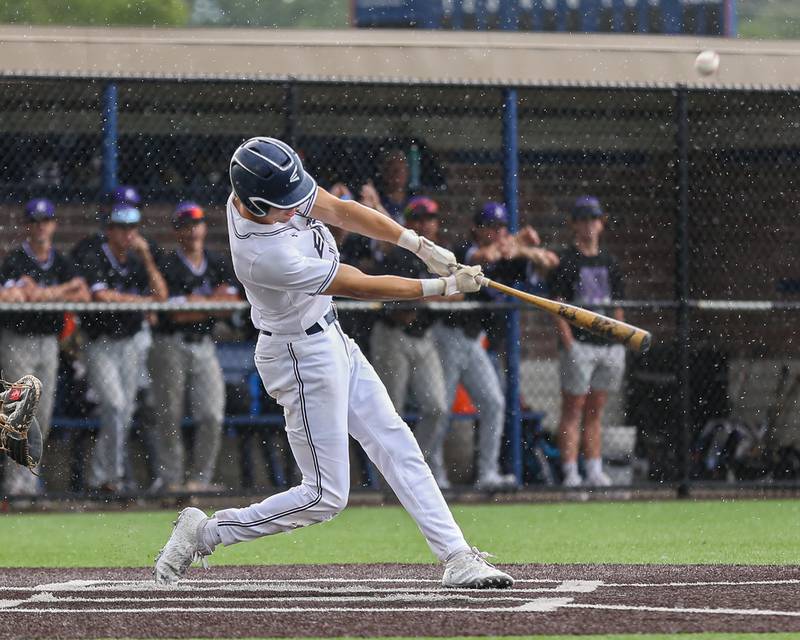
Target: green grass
{"points": [[681, 532]]}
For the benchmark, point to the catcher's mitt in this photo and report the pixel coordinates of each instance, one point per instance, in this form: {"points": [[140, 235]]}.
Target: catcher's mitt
{"points": [[20, 435]]}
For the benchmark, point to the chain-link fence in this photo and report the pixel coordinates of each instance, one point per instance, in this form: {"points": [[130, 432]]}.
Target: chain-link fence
{"points": [[699, 188]]}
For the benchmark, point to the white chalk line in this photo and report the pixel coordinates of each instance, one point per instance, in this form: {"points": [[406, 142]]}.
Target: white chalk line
{"points": [[737, 612], [202, 585], [293, 585], [50, 598], [44, 594], [720, 583], [286, 610], [543, 605]]}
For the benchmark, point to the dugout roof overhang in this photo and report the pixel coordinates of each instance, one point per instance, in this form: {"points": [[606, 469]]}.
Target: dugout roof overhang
{"points": [[393, 55]]}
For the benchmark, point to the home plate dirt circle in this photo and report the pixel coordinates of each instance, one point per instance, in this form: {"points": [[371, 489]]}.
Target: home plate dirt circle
{"points": [[397, 600]]}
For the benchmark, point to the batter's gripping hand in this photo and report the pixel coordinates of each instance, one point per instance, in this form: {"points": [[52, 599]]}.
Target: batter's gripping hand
{"points": [[439, 260], [463, 280], [20, 436]]}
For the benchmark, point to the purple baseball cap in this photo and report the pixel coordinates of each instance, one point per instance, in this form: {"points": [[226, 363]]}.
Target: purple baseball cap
{"points": [[126, 194], [586, 207], [40, 209], [492, 214]]}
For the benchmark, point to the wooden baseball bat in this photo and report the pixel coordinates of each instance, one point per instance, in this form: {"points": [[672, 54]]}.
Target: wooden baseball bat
{"points": [[632, 337]]}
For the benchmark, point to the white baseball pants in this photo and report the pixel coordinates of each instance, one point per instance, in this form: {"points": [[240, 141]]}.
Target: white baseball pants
{"points": [[182, 369], [113, 366], [328, 389], [468, 363]]}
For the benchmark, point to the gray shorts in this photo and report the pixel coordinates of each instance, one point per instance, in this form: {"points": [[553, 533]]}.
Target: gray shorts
{"points": [[592, 366]]}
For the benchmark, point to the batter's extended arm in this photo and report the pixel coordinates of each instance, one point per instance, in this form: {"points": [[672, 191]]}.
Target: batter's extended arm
{"points": [[350, 282], [355, 217]]}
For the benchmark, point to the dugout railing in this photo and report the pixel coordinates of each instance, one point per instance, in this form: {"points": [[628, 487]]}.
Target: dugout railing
{"points": [[700, 185]]}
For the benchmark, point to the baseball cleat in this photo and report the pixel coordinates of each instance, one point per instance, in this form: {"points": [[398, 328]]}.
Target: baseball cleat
{"points": [[182, 548], [470, 570]]}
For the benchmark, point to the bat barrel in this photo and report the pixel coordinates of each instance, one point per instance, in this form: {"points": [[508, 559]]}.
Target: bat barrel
{"points": [[641, 341], [614, 330]]}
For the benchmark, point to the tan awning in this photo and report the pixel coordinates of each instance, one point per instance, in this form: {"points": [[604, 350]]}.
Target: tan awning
{"points": [[396, 55]]}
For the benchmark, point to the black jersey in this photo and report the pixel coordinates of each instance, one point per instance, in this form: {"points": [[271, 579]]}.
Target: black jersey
{"points": [[53, 271], [92, 245], [103, 271], [414, 322], [184, 279], [592, 282], [493, 321]]}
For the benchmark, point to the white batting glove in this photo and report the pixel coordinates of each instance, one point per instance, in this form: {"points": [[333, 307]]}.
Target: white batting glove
{"points": [[439, 260], [463, 280]]}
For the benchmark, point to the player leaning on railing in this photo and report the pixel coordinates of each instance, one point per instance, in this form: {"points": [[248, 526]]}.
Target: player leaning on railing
{"points": [[288, 262]]}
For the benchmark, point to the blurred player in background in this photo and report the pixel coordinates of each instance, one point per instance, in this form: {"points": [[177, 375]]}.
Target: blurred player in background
{"points": [[288, 262], [123, 270], [402, 347], [30, 340], [459, 341], [184, 361], [90, 245], [516, 258], [393, 179], [591, 367], [85, 250]]}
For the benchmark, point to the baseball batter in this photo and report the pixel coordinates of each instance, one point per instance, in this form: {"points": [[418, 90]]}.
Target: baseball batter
{"points": [[288, 262]]}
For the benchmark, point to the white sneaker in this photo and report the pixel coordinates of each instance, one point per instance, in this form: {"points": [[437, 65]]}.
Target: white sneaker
{"points": [[469, 570], [496, 482], [598, 480], [182, 548], [572, 480]]}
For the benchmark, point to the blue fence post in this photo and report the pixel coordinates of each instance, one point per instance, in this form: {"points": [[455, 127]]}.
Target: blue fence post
{"points": [[110, 133], [510, 190]]}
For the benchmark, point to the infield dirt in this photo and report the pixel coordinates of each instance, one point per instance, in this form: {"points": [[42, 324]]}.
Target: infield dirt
{"points": [[397, 600]]}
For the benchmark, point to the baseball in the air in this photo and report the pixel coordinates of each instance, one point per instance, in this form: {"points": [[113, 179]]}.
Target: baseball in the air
{"points": [[707, 62]]}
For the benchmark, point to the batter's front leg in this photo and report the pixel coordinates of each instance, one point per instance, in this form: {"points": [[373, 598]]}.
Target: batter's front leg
{"points": [[387, 440], [310, 381]]}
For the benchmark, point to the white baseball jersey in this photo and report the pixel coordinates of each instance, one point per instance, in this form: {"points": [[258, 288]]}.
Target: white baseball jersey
{"points": [[284, 269], [326, 387]]}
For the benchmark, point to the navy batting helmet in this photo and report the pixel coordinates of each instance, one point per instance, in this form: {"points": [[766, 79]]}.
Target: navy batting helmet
{"points": [[266, 172]]}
